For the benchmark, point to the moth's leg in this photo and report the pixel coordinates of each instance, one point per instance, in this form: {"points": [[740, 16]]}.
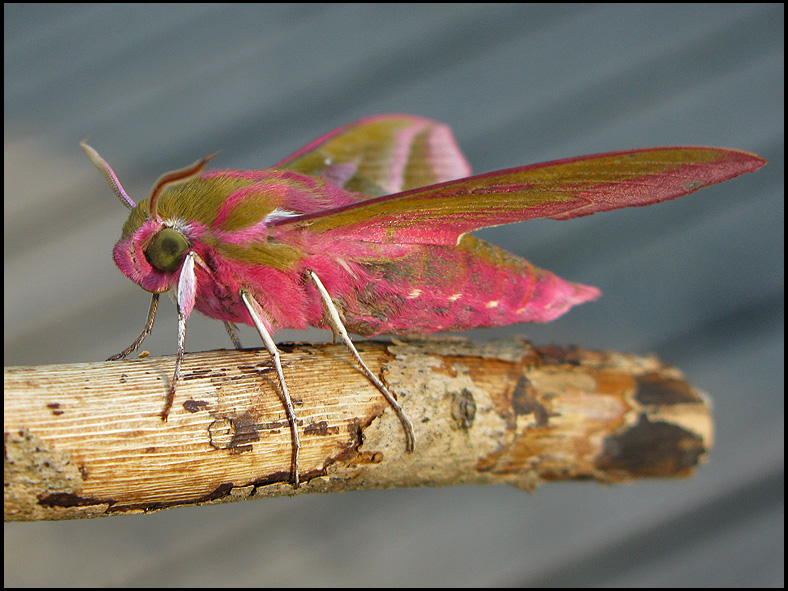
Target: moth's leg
{"points": [[178, 361], [185, 302], [232, 330], [252, 307], [337, 326], [154, 304]]}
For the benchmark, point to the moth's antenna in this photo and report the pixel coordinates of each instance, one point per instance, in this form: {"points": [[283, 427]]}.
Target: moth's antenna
{"points": [[108, 174], [175, 177]]}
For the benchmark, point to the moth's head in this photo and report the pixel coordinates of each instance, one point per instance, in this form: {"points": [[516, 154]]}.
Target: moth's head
{"points": [[151, 250], [152, 254]]}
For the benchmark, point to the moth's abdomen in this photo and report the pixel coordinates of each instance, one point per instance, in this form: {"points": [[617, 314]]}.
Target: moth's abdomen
{"points": [[441, 289]]}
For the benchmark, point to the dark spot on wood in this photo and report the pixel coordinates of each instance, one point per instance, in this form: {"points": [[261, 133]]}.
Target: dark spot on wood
{"points": [[194, 405], [277, 477], [522, 396], [245, 430], [524, 401], [70, 500], [235, 433], [55, 408], [258, 369], [652, 449], [555, 355], [463, 409], [274, 426], [656, 389], [219, 492], [199, 374], [286, 347], [320, 428], [239, 449], [356, 432]]}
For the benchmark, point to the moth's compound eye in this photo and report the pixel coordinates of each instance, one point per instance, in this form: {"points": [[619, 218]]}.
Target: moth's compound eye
{"points": [[166, 250]]}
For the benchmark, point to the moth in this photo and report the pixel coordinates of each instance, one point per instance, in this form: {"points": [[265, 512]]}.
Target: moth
{"points": [[366, 230]]}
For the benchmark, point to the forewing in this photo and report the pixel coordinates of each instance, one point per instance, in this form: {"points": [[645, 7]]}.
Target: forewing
{"points": [[382, 155], [562, 189]]}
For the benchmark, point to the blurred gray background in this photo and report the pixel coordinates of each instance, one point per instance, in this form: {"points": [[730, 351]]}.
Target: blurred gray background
{"points": [[698, 281]]}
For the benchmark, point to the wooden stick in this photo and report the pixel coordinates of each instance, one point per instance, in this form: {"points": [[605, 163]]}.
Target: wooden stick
{"points": [[84, 440]]}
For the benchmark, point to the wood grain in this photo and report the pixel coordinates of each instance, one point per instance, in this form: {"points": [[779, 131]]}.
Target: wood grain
{"points": [[85, 440]]}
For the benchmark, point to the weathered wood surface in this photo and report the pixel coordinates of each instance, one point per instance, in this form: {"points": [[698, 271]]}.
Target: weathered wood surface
{"points": [[85, 440]]}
